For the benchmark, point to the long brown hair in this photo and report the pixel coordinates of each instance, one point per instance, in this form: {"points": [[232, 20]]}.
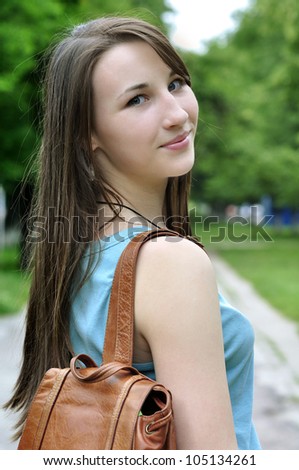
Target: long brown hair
{"points": [[65, 205]]}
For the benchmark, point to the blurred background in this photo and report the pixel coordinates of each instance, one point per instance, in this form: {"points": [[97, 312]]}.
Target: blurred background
{"points": [[244, 64]]}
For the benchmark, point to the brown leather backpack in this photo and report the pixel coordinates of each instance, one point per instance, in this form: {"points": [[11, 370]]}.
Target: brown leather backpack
{"points": [[112, 406]]}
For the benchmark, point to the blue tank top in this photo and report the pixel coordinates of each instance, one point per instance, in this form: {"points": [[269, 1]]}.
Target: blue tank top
{"points": [[88, 316]]}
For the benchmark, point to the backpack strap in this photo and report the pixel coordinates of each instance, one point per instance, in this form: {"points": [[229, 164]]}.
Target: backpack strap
{"points": [[118, 345]]}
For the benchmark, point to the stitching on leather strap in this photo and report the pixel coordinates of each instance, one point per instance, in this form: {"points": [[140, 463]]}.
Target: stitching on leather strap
{"points": [[125, 264]]}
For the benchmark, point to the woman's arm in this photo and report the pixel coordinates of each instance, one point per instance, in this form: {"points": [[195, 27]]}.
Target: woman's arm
{"points": [[177, 313]]}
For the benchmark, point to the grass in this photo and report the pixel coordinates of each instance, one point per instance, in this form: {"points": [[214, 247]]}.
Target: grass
{"points": [[14, 283], [271, 266]]}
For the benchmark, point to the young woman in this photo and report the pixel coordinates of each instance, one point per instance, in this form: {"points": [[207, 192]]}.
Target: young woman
{"points": [[118, 146]]}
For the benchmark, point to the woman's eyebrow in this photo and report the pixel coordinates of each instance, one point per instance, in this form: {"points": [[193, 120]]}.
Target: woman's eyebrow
{"points": [[141, 86], [138, 86]]}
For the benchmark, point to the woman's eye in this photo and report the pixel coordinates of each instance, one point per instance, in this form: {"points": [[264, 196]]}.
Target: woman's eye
{"points": [[176, 84], [138, 99]]}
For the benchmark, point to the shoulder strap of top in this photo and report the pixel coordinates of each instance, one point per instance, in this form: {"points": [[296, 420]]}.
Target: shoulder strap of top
{"points": [[118, 345]]}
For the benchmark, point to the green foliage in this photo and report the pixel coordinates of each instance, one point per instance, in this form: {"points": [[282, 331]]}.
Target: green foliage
{"points": [[14, 283], [24, 34], [248, 90], [150, 10]]}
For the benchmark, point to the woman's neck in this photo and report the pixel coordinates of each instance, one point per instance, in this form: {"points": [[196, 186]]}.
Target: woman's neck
{"points": [[147, 210]]}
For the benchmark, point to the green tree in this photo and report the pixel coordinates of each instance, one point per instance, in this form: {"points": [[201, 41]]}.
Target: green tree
{"points": [[247, 88], [24, 34]]}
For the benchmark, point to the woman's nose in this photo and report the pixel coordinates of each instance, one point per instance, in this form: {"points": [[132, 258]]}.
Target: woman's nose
{"points": [[174, 113]]}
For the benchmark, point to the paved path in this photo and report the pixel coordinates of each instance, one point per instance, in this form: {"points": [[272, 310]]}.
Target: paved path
{"points": [[276, 411], [276, 405], [11, 338]]}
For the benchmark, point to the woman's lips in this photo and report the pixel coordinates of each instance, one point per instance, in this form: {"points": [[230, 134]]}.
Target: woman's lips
{"points": [[179, 142]]}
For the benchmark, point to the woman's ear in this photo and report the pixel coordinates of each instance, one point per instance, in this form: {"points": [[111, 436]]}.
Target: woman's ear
{"points": [[95, 144]]}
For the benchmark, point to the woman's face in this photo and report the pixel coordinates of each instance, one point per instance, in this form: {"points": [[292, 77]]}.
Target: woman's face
{"points": [[145, 116]]}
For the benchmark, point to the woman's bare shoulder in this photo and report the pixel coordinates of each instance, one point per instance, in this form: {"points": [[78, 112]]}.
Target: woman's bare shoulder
{"points": [[173, 272], [174, 256]]}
